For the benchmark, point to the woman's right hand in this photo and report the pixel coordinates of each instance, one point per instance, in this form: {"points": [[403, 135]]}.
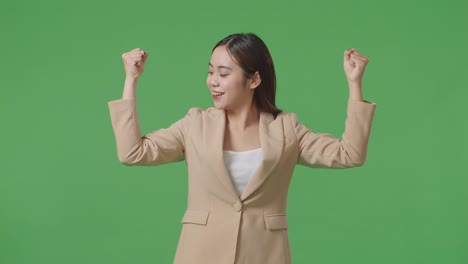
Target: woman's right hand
{"points": [[134, 62]]}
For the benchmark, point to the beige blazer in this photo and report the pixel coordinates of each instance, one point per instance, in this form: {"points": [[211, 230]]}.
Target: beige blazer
{"points": [[219, 226]]}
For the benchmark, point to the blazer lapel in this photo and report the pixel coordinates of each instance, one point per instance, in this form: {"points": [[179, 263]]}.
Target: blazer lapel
{"points": [[271, 142], [213, 136]]}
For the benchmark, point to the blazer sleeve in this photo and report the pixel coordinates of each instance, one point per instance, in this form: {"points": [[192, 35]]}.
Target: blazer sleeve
{"points": [[322, 150], [154, 148]]}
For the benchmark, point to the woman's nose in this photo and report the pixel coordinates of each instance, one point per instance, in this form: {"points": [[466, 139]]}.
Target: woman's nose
{"points": [[214, 82]]}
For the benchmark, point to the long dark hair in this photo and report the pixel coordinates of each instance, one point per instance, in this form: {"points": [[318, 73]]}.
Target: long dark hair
{"points": [[252, 55]]}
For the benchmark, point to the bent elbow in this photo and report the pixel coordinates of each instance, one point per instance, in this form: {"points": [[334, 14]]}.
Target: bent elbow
{"points": [[126, 162], [358, 162], [355, 158], [131, 159], [352, 161]]}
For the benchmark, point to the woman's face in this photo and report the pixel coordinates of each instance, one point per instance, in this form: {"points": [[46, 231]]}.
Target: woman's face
{"points": [[226, 76]]}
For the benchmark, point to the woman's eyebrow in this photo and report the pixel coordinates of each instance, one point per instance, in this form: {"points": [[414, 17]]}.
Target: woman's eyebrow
{"points": [[221, 66]]}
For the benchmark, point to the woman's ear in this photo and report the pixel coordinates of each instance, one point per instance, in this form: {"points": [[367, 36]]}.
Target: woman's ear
{"points": [[255, 80]]}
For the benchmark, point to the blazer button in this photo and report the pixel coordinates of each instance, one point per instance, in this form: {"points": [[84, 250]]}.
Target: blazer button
{"points": [[237, 206]]}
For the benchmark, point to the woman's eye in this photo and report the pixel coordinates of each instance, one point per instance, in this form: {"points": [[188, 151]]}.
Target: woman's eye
{"points": [[222, 75]]}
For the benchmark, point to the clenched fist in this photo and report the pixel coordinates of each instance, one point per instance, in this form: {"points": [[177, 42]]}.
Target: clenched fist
{"points": [[134, 62], [354, 65]]}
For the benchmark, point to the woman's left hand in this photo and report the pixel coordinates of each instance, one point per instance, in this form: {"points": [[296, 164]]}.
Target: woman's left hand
{"points": [[354, 65]]}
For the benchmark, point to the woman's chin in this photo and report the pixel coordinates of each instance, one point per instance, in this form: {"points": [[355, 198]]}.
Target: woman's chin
{"points": [[218, 107]]}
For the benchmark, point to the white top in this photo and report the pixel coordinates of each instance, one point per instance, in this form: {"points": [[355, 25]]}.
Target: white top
{"points": [[241, 165]]}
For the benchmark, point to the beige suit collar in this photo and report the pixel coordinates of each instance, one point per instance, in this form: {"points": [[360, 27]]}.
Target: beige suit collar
{"points": [[271, 142]]}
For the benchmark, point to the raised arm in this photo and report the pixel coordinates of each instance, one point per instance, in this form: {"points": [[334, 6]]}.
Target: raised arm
{"points": [[155, 148], [324, 150]]}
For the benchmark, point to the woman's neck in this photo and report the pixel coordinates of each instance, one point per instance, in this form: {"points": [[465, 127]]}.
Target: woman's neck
{"points": [[243, 118]]}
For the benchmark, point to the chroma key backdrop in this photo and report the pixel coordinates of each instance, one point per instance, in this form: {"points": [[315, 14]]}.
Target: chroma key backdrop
{"points": [[66, 199]]}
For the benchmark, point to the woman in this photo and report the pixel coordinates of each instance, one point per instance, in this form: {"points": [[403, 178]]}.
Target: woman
{"points": [[241, 153]]}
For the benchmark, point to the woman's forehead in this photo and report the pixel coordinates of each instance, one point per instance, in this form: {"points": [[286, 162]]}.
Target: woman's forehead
{"points": [[220, 58]]}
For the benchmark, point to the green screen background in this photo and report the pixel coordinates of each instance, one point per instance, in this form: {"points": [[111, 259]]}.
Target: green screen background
{"points": [[65, 198]]}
